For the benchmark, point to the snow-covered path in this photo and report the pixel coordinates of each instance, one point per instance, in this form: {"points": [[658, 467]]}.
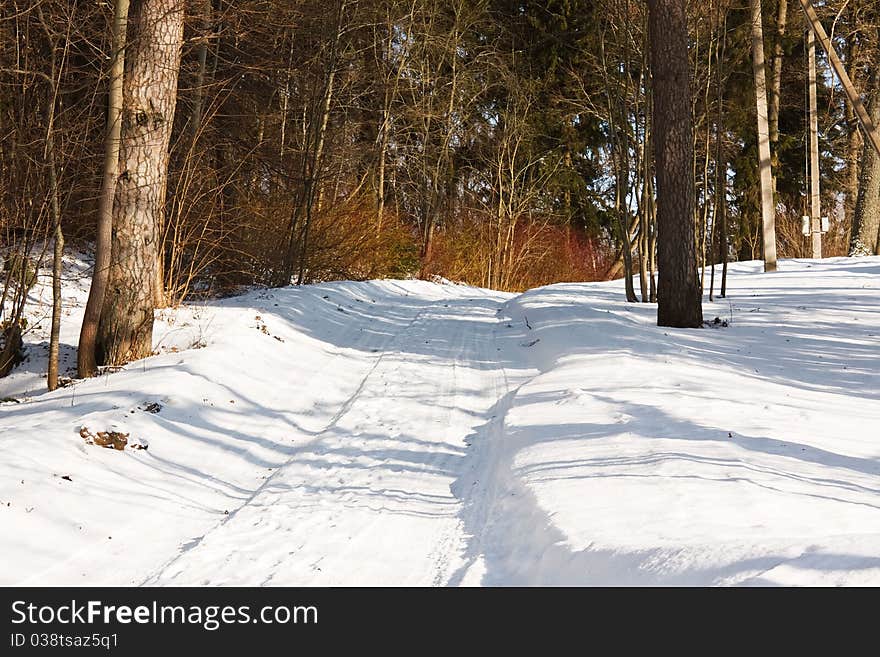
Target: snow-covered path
{"points": [[369, 497], [412, 433]]}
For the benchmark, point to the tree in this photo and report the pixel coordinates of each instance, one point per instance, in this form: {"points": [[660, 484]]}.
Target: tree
{"points": [[776, 87], [57, 232], [768, 210], [678, 294], [865, 238], [341, 144], [125, 331], [867, 196], [86, 358]]}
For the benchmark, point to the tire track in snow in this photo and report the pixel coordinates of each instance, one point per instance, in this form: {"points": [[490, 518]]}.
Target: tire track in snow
{"points": [[155, 576], [477, 486], [510, 538], [460, 384], [369, 500]]}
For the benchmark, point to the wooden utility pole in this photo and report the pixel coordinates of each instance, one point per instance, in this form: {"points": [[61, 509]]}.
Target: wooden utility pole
{"points": [[768, 210], [815, 201], [867, 124]]}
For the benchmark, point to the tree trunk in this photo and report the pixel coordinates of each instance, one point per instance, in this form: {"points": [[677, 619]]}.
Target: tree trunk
{"points": [[57, 254], [314, 181], [86, 358], [720, 161], [866, 219], [776, 87], [854, 140], [55, 333], [723, 239], [624, 224], [778, 56], [679, 295], [55, 204], [643, 259], [768, 210], [125, 332], [815, 197], [652, 239], [380, 187], [203, 8]]}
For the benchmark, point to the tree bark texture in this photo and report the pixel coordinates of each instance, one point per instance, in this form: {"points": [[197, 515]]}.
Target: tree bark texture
{"points": [[679, 296], [866, 219], [86, 358], [149, 96], [768, 209]]}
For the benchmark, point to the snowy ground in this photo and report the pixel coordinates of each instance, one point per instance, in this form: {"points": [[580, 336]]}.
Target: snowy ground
{"points": [[405, 432]]}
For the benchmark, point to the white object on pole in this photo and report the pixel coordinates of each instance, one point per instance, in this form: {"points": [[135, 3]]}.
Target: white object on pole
{"points": [[805, 226], [826, 224]]}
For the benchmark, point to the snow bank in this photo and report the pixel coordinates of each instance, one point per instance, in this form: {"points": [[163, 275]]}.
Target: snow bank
{"points": [[405, 432], [741, 455]]}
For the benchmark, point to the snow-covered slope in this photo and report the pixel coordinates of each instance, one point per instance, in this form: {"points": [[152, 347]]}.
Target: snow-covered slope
{"points": [[405, 432]]}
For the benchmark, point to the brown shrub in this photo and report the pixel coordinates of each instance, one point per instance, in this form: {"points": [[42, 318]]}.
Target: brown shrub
{"points": [[349, 243], [539, 253], [791, 243]]}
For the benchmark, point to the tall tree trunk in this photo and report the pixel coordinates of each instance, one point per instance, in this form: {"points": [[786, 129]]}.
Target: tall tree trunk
{"points": [[313, 187], [644, 217], [720, 162], [768, 210], [388, 95], [679, 294], [723, 240], [866, 219], [854, 141], [776, 86], [55, 204], [86, 358], [383, 148], [652, 239], [721, 166], [57, 254], [815, 197], [623, 221], [643, 258], [125, 332], [203, 8]]}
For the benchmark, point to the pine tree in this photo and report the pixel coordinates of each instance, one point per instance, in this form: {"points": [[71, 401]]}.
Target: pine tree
{"points": [[679, 294]]}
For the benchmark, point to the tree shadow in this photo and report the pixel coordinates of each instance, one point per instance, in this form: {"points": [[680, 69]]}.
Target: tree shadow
{"points": [[518, 543]]}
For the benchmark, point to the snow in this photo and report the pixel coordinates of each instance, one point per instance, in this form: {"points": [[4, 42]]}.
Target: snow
{"points": [[427, 433]]}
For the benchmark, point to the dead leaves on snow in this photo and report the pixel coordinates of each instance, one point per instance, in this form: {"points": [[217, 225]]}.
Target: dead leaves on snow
{"points": [[109, 439]]}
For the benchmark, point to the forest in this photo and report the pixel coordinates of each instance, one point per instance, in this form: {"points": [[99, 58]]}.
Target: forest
{"points": [[198, 147], [369, 293]]}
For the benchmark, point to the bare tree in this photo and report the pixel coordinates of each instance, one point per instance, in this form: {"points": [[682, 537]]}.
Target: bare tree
{"points": [[55, 202]]}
